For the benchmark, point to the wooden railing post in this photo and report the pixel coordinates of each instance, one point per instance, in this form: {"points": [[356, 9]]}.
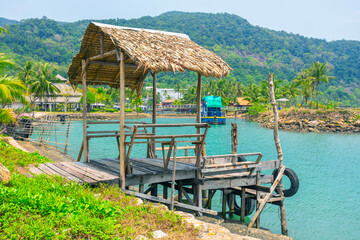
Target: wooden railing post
{"points": [[122, 119], [85, 141], [284, 229]]}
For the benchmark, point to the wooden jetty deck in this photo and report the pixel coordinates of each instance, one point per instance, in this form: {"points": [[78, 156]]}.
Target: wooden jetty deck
{"points": [[145, 170]]}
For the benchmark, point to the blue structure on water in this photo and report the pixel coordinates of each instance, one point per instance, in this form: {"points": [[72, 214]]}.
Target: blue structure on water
{"points": [[211, 110]]}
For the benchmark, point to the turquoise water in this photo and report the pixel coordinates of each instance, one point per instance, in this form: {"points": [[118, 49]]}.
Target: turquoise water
{"points": [[327, 204]]}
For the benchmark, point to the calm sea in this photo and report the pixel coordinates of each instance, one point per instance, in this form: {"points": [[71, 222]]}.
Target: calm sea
{"points": [[327, 205]]}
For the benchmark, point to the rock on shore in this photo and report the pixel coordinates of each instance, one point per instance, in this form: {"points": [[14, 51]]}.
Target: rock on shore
{"points": [[307, 120]]}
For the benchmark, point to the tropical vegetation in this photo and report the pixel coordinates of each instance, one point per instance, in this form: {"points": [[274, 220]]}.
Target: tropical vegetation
{"points": [[251, 51], [50, 207]]}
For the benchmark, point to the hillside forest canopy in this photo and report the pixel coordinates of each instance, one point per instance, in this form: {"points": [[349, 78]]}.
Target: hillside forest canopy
{"points": [[251, 51]]}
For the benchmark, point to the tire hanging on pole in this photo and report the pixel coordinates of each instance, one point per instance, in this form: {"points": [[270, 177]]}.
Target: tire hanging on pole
{"points": [[249, 205], [294, 180]]}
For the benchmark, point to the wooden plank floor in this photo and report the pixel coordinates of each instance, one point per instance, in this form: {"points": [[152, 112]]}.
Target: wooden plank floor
{"points": [[145, 171]]}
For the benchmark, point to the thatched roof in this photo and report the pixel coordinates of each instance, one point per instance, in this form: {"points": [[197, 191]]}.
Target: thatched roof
{"points": [[241, 101], [144, 50]]}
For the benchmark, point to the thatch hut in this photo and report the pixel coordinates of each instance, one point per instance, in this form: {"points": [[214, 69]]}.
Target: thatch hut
{"points": [[122, 57]]}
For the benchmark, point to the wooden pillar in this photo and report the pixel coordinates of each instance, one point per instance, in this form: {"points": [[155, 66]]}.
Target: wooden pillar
{"points": [[284, 229], [234, 138], [154, 111], [122, 120], [198, 101], [85, 142], [198, 192]]}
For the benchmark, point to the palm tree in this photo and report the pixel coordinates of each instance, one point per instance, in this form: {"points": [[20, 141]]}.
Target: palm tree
{"points": [[11, 89], [3, 30], [292, 90], [318, 73], [27, 72], [5, 62], [305, 86], [42, 86]]}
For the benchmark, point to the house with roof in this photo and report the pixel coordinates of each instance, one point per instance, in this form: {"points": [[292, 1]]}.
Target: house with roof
{"points": [[242, 103], [67, 99]]}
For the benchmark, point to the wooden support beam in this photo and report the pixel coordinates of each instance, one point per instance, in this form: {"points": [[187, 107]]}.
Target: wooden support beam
{"points": [[154, 109], [102, 56], [115, 64], [173, 179], [122, 119], [85, 141], [168, 202], [198, 192], [267, 196]]}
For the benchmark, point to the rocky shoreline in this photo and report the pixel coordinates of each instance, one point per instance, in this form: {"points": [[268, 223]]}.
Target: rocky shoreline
{"points": [[307, 120]]}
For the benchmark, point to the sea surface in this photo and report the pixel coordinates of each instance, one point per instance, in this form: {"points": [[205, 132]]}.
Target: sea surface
{"points": [[327, 205]]}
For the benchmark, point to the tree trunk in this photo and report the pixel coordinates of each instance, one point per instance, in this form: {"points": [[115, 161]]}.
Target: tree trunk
{"points": [[311, 95], [317, 96]]}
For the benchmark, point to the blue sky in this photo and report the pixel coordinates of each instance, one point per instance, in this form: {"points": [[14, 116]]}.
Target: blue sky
{"points": [[325, 19]]}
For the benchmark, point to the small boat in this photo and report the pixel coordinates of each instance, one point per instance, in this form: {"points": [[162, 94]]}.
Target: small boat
{"points": [[211, 110]]}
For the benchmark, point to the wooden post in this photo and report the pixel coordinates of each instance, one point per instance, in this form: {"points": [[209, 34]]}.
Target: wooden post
{"points": [[224, 204], [85, 145], [122, 120], [284, 229], [154, 190], [67, 136], [234, 138], [198, 192], [242, 213], [173, 179], [258, 199], [141, 188], [154, 112]]}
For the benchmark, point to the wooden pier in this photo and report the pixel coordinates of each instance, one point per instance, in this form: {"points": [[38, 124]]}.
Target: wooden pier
{"points": [[121, 57]]}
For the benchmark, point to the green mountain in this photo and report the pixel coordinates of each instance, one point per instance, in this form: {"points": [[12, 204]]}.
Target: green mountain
{"points": [[251, 51], [5, 21]]}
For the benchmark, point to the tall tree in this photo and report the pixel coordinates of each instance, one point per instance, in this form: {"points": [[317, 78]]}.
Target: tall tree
{"points": [[27, 72], [11, 89], [43, 84], [319, 73], [305, 86]]}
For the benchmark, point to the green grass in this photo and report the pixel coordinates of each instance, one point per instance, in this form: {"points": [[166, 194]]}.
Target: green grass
{"points": [[12, 157], [50, 207]]}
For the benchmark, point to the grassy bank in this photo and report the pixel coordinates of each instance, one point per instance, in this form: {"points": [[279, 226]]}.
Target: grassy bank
{"points": [[46, 207]]}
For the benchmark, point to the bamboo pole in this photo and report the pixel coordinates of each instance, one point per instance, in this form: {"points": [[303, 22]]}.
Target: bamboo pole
{"points": [[85, 145], [284, 229], [122, 120]]}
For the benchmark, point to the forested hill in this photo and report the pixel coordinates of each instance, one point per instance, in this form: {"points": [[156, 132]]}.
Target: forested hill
{"points": [[4, 21], [251, 51]]}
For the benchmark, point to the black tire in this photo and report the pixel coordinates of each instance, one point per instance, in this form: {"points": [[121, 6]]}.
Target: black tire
{"points": [[249, 205], [294, 180]]}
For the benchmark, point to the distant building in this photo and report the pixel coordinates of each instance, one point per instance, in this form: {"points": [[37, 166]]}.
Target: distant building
{"points": [[167, 102], [67, 97], [165, 93], [243, 103]]}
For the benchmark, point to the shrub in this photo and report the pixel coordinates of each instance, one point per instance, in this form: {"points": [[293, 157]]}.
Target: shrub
{"points": [[256, 109], [128, 110], [111, 110]]}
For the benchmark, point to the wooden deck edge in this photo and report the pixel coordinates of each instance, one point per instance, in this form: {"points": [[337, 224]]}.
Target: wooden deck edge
{"points": [[168, 202]]}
